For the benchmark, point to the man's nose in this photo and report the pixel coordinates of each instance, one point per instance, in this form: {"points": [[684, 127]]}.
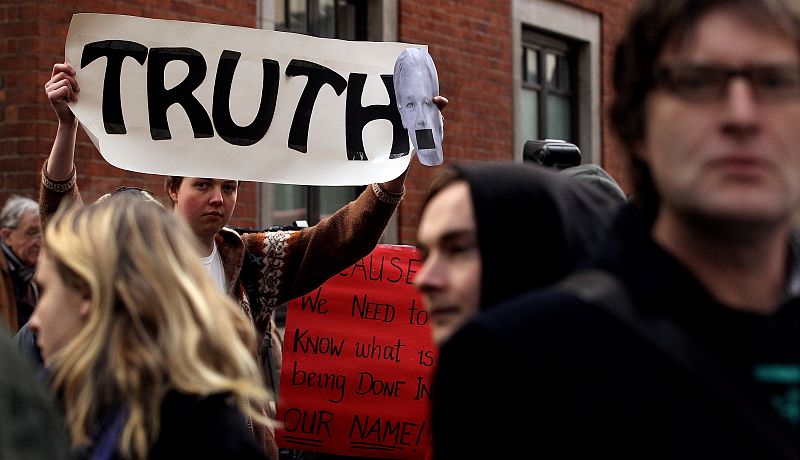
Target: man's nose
{"points": [[33, 321], [741, 107], [216, 196], [430, 276]]}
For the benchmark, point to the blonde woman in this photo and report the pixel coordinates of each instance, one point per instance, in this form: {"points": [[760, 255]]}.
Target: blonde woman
{"points": [[148, 357]]}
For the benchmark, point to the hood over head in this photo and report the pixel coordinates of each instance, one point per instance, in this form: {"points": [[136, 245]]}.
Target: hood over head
{"points": [[534, 225]]}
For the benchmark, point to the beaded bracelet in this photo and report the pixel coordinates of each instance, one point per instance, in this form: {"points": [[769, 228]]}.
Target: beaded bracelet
{"points": [[387, 197], [58, 186]]}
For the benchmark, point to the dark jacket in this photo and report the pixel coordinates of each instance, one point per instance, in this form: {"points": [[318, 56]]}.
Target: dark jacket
{"points": [[18, 292], [190, 426], [8, 300], [565, 379], [30, 426]]}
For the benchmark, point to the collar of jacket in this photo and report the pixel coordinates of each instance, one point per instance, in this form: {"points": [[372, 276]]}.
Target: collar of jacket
{"points": [[231, 251], [15, 266]]}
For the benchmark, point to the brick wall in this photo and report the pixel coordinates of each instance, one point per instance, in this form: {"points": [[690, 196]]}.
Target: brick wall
{"points": [[32, 36]]}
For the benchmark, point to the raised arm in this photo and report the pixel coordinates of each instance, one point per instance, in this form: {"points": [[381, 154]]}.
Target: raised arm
{"points": [[61, 89], [293, 264], [58, 173]]}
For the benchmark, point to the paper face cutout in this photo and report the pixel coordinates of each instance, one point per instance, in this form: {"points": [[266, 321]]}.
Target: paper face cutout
{"points": [[415, 84]]}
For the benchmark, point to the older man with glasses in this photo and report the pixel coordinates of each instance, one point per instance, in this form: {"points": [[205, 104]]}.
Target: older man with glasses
{"points": [[683, 340], [22, 240]]}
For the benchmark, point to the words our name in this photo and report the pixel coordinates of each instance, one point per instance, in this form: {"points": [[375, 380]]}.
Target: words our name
{"points": [[365, 431], [220, 121]]}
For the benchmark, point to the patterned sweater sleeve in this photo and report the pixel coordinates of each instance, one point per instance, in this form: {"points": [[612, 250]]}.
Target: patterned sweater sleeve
{"points": [[295, 263], [53, 192]]}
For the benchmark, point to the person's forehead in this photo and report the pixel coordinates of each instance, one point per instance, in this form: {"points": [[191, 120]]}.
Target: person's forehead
{"points": [[449, 211], [29, 220], [727, 30], [209, 179], [416, 79]]}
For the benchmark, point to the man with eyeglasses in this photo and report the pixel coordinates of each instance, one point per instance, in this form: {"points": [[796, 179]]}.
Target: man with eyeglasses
{"points": [[683, 339], [22, 241]]}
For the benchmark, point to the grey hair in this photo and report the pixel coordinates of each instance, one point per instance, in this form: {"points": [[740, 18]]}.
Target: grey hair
{"points": [[16, 207]]}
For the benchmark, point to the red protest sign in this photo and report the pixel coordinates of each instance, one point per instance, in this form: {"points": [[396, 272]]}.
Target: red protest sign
{"points": [[358, 362]]}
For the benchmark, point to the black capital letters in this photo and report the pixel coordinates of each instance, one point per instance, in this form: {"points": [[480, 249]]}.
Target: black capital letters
{"points": [[159, 99], [317, 77], [221, 110], [115, 51], [357, 117]]}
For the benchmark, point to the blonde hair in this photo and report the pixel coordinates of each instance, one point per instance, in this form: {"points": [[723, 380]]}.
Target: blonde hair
{"points": [[156, 322]]}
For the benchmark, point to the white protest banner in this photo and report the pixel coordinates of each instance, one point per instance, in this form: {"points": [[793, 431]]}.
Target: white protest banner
{"points": [[203, 100]]}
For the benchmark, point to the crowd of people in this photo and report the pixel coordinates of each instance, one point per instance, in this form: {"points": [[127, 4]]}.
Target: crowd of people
{"points": [[572, 321]]}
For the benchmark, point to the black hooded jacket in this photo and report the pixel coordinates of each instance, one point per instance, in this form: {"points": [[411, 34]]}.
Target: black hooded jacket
{"points": [[534, 224]]}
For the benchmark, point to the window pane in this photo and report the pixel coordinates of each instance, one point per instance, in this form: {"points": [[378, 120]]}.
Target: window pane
{"points": [[558, 117], [333, 198], [289, 203], [327, 18], [557, 71], [527, 127], [549, 67], [298, 16], [563, 74], [530, 62], [346, 20], [280, 15]]}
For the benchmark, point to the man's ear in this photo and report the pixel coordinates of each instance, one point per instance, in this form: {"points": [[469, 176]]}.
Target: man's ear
{"points": [[173, 193], [5, 232]]}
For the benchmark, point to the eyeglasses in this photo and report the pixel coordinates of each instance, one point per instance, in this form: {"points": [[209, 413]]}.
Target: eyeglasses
{"points": [[31, 234], [707, 83]]}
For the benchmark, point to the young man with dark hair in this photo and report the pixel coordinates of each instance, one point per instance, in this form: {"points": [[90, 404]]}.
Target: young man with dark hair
{"points": [[684, 342], [469, 259]]}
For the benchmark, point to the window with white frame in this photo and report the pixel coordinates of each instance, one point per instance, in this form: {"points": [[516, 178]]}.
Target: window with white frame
{"points": [[548, 102], [556, 75]]}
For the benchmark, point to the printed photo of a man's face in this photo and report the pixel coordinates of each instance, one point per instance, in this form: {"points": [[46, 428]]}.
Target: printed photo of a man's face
{"points": [[415, 84]]}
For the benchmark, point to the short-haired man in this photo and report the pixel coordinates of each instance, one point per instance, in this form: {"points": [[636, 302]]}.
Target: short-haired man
{"points": [[686, 341], [21, 243], [469, 262]]}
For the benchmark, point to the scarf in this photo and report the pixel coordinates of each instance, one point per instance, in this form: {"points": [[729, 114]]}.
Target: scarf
{"points": [[18, 270]]}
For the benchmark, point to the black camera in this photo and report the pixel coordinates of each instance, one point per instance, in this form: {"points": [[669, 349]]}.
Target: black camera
{"points": [[552, 153]]}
